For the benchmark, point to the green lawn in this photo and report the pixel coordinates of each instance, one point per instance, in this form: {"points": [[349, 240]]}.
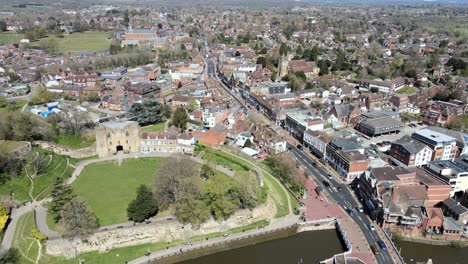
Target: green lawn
{"points": [[75, 141], [86, 41], [154, 128], [28, 247], [406, 90], [108, 188], [220, 158], [10, 37]]}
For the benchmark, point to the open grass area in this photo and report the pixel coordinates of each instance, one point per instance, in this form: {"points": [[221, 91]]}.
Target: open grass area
{"points": [[406, 90], [93, 41], [27, 246], [220, 158], [10, 37], [108, 188], [154, 128], [75, 141]]}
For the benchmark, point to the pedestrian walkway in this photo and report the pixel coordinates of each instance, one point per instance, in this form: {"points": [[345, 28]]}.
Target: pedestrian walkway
{"points": [[318, 207]]}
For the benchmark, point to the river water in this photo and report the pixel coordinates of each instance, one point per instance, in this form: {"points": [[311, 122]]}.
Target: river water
{"points": [[310, 247], [413, 252]]}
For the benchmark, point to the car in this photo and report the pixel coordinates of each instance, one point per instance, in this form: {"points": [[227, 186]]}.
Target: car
{"points": [[300, 147], [382, 245], [359, 208], [327, 184], [329, 176], [375, 249], [372, 227], [420, 123], [339, 188], [350, 211]]}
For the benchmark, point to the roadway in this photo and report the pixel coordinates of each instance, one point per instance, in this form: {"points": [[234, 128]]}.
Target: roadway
{"points": [[343, 198]]}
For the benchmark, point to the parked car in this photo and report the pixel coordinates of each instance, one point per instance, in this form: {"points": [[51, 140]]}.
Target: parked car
{"points": [[372, 227], [327, 184], [375, 249], [329, 176], [382, 245], [300, 147]]}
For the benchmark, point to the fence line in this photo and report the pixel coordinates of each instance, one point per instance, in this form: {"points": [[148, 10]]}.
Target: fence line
{"points": [[394, 247]]}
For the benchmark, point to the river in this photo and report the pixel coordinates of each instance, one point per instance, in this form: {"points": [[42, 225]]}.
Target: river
{"points": [[413, 252], [311, 247]]}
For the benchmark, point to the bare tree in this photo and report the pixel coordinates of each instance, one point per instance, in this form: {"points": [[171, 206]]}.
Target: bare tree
{"points": [[177, 180], [77, 219], [74, 120]]}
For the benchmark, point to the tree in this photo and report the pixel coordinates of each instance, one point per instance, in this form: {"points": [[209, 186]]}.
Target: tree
{"points": [[206, 172], [147, 113], [284, 49], [192, 105], [177, 180], [262, 60], [180, 118], [43, 96], [77, 219], [12, 256], [179, 85], [294, 83], [4, 215], [248, 143], [62, 194], [74, 120], [194, 212], [237, 54], [144, 206], [3, 25], [374, 90]]}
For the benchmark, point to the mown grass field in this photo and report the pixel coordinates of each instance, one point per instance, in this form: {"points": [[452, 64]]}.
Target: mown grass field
{"points": [[27, 246], [75, 141], [406, 90], [108, 188], [10, 37], [154, 128], [92, 41]]}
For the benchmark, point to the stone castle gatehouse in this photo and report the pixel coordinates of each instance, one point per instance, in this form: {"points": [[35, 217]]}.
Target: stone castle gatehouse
{"points": [[112, 137]]}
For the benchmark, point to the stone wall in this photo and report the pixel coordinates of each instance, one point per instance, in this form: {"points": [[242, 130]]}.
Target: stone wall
{"points": [[62, 150], [155, 232]]}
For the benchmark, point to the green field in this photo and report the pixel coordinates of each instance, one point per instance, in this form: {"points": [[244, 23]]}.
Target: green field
{"points": [[75, 141], [86, 41], [108, 188], [154, 128], [10, 37], [406, 90]]}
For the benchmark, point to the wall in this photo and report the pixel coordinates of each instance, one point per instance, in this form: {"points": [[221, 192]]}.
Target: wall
{"points": [[61, 150]]}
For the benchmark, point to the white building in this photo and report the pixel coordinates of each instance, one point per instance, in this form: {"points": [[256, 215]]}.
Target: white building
{"points": [[454, 173]]}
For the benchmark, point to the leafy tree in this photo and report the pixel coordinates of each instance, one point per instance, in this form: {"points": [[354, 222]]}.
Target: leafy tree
{"points": [[78, 219], [179, 85], [206, 172], [36, 234], [294, 83], [43, 96], [12, 256], [459, 123], [3, 25], [62, 194], [301, 75], [192, 105], [237, 54], [284, 49], [147, 113], [180, 118], [144, 206], [310, 85], [4, 215], [262, 60], [374, 90], [248, 143], [190, 211], [264, 50]]}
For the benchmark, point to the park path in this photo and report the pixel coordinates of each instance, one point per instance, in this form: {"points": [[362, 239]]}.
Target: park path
{"points": [[275, 225]]}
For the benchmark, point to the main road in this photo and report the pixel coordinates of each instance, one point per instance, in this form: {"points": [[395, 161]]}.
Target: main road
{"points": [[344, 198]]}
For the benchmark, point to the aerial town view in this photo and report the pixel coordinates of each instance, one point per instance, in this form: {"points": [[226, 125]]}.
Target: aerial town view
{"points": [[233, 131]]}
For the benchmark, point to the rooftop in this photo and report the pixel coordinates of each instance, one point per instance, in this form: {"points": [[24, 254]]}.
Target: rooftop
{"points": [[122, 124], [432, 137]]}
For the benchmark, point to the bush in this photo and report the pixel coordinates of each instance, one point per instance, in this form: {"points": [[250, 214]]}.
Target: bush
{"points": [[36, 234]]}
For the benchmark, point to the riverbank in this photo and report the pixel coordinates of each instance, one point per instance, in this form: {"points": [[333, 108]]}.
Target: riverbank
{"points": [[434, 242], [420, 252]]}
